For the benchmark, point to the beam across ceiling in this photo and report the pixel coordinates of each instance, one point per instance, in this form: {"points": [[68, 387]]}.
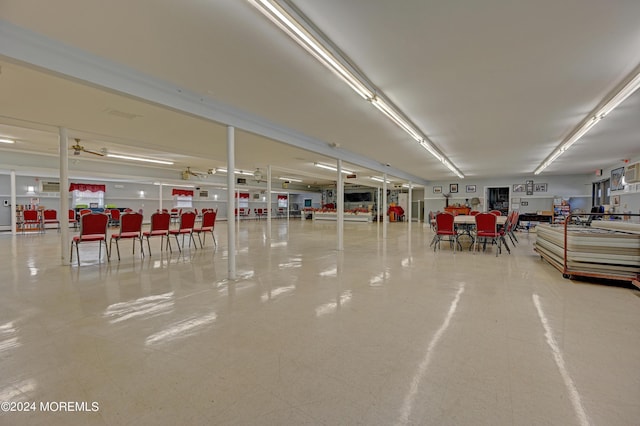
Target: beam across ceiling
{"points": [[26, 47]]}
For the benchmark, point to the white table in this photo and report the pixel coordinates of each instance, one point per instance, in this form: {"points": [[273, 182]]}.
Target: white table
{"points": [[471, 220]]}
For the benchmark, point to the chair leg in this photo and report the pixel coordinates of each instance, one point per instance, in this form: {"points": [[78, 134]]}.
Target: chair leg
{"points": [[71, 254], [118, 249], [200, 239], [178, 243], [141, 248], [149, 245]]}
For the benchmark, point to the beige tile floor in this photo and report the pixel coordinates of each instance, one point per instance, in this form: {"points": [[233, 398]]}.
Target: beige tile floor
{"points": [[385, 333]]}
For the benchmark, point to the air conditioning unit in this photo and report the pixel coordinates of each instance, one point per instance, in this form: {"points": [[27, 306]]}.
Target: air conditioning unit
{"points": [[49, 186], [632, 173], [204, 193]]}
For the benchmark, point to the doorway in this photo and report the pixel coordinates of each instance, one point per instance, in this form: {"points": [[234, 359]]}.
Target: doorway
{"points": [[497, 199], [601, 192]]}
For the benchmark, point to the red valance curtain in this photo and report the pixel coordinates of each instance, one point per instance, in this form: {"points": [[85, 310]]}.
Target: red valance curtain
{"points": [[182, 192], [282, 197], [242, 195], [87, 187]]}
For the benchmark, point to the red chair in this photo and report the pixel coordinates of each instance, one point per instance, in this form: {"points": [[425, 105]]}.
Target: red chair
{"points": [[208, 224], [93, 227], [31, 219], [85, 211], [445, 228], [115, 217], [130, 228], [50, 216], [496, 212], [72, 218], [160, 223], [187, 221], [487, 228], [473, 212]]}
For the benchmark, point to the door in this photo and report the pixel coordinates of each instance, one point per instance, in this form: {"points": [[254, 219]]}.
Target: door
{"points": [[497, 198]]}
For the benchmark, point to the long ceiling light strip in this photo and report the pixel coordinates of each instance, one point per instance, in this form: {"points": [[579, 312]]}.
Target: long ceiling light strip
{"points": [[296, 27], [145, 160], [332, 168], [7, 141], [288, 179], [237, 172], [292, 26], [622, 95]]}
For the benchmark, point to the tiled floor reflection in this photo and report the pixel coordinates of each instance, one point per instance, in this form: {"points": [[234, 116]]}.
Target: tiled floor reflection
{"points": [[385, 333]]}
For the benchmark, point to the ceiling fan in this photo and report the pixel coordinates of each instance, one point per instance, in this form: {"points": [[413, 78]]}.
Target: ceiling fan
{"points": [[188, 173], [78, 149]]}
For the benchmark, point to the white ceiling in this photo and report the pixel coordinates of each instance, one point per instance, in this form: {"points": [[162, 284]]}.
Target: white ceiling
{"points": [[496, 85]]}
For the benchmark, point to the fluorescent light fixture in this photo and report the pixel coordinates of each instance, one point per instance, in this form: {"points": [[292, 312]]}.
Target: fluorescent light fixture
{"points": [[626, 91], [4, 140], [173, 184], [146, 160], [237, 172], [377, 179], [294, 25], [291, 21], [426, 145], [290, 179], [620, 97], [332, 168], [387, 110]]}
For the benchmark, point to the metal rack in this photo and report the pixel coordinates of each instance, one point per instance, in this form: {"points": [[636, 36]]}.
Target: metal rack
{"points": [[567, 272]]}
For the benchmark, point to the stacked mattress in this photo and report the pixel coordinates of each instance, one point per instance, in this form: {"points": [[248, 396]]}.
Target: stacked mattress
{"points": [[613, 251]]}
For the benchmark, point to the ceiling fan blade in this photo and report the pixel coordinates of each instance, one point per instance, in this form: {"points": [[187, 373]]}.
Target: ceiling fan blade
{"points": [[98, 153]]}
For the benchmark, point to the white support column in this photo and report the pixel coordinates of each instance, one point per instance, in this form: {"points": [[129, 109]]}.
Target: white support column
{"points": [[231, 217], [160, 197], [269, 203], [64, 195], [409, 207], [340, 206], [14, 205], [385, 208], [378, 202]]}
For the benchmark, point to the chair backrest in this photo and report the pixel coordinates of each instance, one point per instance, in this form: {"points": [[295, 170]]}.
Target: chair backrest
{"points": [[486, 222], [72, 214], [30, 215], [131, 222], [473, 212], [209, 219], [94, 224], [496, 212], [160, 221], [444, 222], [85, 211], [50, 214], [115, 214], [187, 220]]}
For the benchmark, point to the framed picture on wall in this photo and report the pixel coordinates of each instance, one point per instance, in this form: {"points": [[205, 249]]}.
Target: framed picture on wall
{"points": [[519, 187], [471, 188], [437, 190], [616, 179], [540, 187], [615, 200], [453, 188]]}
